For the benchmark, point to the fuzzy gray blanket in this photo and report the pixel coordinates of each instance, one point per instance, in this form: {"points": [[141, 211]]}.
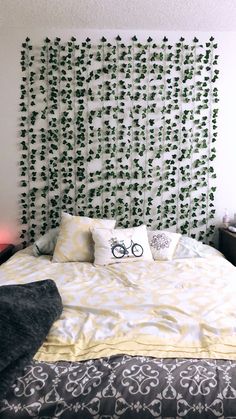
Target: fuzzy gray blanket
{"points": [[27, 312]]}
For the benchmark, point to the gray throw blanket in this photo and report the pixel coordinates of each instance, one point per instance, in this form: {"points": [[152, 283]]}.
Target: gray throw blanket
{"points": [[27, 312]]}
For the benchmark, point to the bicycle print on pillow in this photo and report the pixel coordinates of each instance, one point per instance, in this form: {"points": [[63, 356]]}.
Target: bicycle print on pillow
{"points": [[119, 249]]}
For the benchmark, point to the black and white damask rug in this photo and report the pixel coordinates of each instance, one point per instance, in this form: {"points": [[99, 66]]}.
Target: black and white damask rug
{"points": [[124, 387]]}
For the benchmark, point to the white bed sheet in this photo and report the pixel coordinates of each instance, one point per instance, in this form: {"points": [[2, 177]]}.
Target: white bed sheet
{"points": [[179, 308]]}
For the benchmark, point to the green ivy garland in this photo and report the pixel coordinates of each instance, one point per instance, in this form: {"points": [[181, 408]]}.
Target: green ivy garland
{"points": [[117, 130]]}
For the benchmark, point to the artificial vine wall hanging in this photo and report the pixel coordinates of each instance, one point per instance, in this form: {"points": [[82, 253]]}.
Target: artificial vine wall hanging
{"points": [[119, 130]]}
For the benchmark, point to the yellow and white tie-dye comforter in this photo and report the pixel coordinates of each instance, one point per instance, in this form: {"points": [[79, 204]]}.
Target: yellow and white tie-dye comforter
{"points": [[178, 308]]}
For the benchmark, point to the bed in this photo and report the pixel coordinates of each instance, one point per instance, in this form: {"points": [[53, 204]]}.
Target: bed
{"points": [[150, 339]]}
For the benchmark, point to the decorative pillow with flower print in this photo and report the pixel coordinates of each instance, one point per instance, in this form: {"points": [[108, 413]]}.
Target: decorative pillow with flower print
{"points": [[163, 244]]}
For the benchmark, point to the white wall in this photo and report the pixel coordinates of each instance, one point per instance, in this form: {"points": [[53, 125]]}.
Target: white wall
{"points": [[10, 77]]}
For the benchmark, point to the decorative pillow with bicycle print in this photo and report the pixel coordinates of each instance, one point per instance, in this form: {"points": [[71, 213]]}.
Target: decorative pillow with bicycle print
{"points": [[121, 245], [163, 244]]}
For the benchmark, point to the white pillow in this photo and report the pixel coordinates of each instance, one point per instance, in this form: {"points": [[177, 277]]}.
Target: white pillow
{"points": [[45, 244], [191, 248], [188, 248], [74, 243], [121, 245], [163, 244]]}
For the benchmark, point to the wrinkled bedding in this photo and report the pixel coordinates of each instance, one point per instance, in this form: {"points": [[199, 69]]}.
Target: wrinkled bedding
{"points": [[186, 304], [179, 308]]}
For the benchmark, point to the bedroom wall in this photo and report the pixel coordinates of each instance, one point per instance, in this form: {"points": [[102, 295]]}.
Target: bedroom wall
{"points": [[10, 74]]}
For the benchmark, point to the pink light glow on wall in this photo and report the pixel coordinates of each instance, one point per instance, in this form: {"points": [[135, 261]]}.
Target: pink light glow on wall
{"points": [[8, 234]]}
